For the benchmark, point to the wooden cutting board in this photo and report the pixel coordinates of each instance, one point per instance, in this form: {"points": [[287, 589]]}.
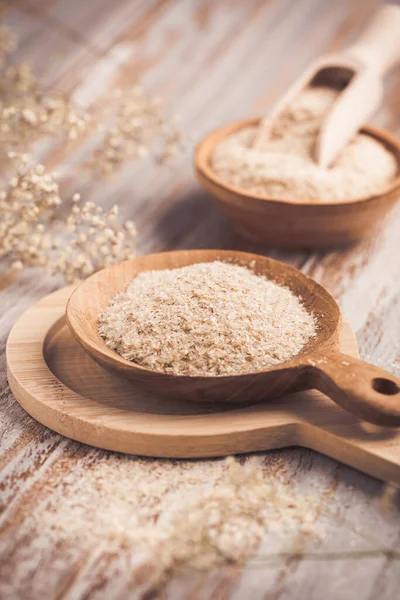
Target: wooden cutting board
{"points": [[60, 386]]}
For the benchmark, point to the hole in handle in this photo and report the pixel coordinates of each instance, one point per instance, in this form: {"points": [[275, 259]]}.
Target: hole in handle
{"points": [[385, 386]]}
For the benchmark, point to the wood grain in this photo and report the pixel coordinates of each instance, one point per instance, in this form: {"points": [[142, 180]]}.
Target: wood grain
{"points": [[214, 63]]}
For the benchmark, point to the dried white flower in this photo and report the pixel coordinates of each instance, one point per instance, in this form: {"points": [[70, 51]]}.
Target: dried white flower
{"points": [[30, 202], [140, 127]]}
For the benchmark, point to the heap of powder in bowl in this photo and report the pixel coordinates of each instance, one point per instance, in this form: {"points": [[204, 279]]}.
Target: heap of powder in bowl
{"points": [[284, 168], [206, 319]]}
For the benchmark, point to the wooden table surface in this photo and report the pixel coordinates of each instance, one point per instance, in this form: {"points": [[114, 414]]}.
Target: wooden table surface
{"points": [[212, 62]]}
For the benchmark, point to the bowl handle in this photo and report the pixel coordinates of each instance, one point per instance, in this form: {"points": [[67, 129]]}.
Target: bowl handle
{"points": [[364, 390]]}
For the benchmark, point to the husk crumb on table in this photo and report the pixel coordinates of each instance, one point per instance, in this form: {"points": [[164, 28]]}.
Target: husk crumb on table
{"points": [[176, 514]]}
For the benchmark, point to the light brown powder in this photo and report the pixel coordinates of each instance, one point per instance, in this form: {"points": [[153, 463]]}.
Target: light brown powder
{"points": [[206, 319], [175, 514], [283, 167]]}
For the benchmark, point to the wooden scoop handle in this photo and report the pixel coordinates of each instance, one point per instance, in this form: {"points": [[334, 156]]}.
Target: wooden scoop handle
{"points": [[375, 52], [379, 44], [364, 390]]}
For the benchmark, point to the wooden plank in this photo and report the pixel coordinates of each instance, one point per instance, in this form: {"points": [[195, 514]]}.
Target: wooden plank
{"points": [[49, 53], [213, 63], [101, 28]]}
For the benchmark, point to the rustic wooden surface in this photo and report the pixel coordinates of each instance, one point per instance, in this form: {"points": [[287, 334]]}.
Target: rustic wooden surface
{"points": [[213, 62]]}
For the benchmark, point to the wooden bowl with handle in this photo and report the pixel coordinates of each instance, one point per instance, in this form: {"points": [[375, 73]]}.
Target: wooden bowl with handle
{"points": [[363, 389], [296, 223]]}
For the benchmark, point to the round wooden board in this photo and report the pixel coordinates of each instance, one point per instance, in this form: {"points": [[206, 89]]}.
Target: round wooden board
{"points": [[57, 383]]}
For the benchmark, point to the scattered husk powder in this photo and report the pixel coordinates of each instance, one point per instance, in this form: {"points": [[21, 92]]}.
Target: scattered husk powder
{"points": [[206, 319], [174, 514], [283, 166]]}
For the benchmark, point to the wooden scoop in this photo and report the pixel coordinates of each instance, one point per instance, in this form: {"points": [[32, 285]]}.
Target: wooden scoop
{"points": [[357, 72], [363, 389]]}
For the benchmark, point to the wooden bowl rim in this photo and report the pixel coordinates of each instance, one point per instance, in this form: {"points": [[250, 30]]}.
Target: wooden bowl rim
{"points": [[100, 351], [204, 149]]}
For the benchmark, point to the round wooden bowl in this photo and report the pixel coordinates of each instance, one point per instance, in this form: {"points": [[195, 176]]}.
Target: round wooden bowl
{"points": [[365, 390], [296, 224]]}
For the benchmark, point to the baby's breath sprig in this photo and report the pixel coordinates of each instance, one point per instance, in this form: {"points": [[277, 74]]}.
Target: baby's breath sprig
{"points": [[95, 240], [140, 128], [26, 111], [90, 238], [87, 241]]}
